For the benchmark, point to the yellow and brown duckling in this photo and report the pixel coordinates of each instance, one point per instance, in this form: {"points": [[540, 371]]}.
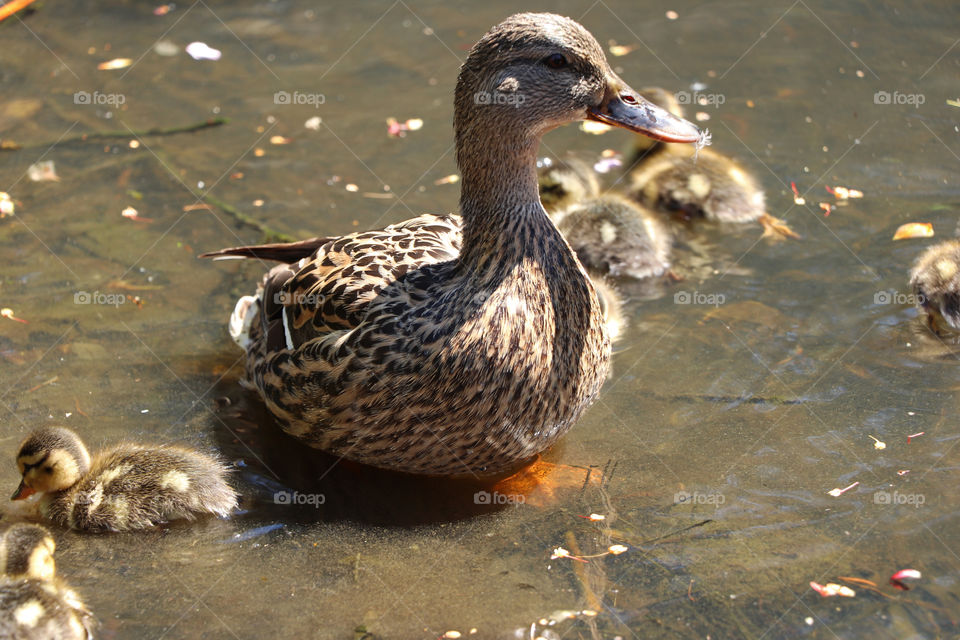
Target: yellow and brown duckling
{"points": [[935, 279], [447, 344], [611, 303], [34, 603], [614, 236], [127, 486], [566, 182], [704, 184]]}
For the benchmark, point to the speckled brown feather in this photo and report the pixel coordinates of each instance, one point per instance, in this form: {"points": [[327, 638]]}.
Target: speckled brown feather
{"points": [[440, 346]]}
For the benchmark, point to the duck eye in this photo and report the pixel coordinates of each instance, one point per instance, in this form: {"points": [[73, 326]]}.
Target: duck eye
{"points": [[556, 61]]}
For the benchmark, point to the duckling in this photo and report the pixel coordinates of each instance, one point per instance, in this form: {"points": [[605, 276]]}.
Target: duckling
{"points": [[565, 182], [935, 279], [451, 345], [34, 603], [611, 234], [611, 304], [127, 486], [704, 184]]}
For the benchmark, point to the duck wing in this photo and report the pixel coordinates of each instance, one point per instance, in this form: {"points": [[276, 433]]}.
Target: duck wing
{"points": [[327, 284]]}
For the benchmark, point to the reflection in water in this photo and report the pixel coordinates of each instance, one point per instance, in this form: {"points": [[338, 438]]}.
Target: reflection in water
{"points": [[744, 414]]}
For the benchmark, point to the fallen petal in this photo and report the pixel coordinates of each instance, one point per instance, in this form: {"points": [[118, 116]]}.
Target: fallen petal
{"points": [[116, 63], [202, 51], [914, 230]]}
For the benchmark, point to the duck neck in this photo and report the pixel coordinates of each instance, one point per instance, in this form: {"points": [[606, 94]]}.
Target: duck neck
{"points": [[499, 200]]}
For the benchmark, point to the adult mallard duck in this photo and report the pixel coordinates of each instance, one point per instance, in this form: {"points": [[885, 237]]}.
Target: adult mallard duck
{"points": [[935, 279], [127, 486], [34, 603], [447, 344]]}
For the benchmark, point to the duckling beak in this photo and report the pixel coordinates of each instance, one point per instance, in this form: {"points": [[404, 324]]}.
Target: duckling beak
{"points": [[22, 492], [623, 107]]}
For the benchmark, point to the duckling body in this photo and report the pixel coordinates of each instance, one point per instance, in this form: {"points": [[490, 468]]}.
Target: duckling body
{"points": [[127, 486], [935, 279], [564, 183], [34, 604], [614, 236], [707, 184], [449, 345]]}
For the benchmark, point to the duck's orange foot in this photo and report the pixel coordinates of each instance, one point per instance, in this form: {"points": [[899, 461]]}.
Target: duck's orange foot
{"points": [[776, 228], [541, 483]]}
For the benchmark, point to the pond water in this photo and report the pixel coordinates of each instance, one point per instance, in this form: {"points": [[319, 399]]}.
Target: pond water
{"points": [[714, 445]]}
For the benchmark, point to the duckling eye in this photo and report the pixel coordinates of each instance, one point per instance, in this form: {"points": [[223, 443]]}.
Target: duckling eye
{"points": [[48, 470], [556, 61]]}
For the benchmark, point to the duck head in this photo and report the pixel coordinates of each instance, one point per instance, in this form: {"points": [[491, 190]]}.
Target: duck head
{"points": [[50, 459], [534, 72]]}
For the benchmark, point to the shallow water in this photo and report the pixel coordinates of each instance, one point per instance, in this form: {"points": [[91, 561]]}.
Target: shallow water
{"points": [[733, 419]]}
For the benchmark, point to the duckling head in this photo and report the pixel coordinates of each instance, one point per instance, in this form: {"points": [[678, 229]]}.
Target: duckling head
{"points": [[534, 72], [27, 552], [50, 459], [565, 182]]}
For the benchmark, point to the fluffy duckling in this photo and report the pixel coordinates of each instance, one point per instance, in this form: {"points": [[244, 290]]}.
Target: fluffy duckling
{"points": [[711, 186], [612, 306], [128, 486], [566, 182], [935, 279], [614, 236], [34, 604]]}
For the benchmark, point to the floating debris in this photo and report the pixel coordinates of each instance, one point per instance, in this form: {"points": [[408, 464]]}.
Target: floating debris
{"points": [[202, 51], [914, 230], [609, 160], [877, 444], [7, 313], [827, 208], [904, 574], [116, 63], [903, 472], [620, 49], [672, 15], [843, 193], [164, 9], [833, 589], [43, 172], [594, 128], [453, 178], [701, 116], [594, 517], [132, 214], [280, 140], [397, 129], [836, 493], [166, 48], [797, 198], [352, 188], [617, 549], [6, 205], [313, 123], [915, 435], [776, 228], [953, 103]]}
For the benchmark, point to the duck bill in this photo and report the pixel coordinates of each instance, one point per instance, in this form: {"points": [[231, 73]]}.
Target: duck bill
{"points": [[22, 492], [625, 108]]}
